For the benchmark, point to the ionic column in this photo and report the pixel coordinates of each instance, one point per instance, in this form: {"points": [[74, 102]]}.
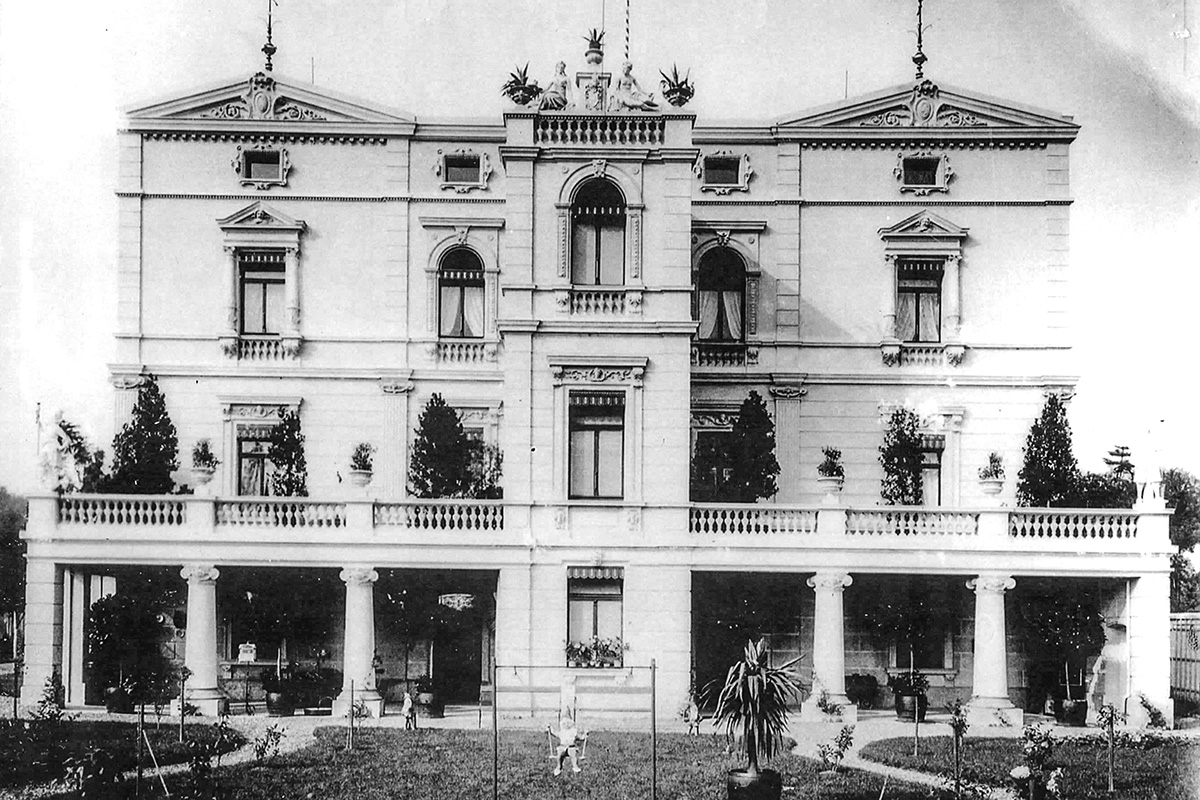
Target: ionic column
{"points": [[358, 647], [200, 652], [951, 299], [829, 639], [990, 704]]}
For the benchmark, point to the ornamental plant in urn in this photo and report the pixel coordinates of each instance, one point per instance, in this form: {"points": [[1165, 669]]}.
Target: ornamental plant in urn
{"points": [[830, 473], [595, 49], [362, 462], [753, 706], [991, 477], [519, 88], [204, 462], [677, 91]]}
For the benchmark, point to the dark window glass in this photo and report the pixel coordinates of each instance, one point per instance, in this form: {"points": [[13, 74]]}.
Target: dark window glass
{"points": [[262, 165], [720, 296], [598, 235], [931, 476], [460, 295], [712, 466], [921, 171], [261, 279], [722, 171], [919, 300], [597, 444], [462, 169]]}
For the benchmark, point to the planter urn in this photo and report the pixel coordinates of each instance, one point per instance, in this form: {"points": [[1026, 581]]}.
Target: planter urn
{"points": [[594, 56], [202, 477], [360, 478], [767, 784], [831, 486], [908, 705], [991, 486]]}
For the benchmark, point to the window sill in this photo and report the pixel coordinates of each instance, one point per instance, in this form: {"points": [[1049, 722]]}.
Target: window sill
{"points": [[922, 354], [266, 347]]}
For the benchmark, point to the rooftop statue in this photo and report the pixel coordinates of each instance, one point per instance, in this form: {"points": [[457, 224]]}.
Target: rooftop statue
{"points": [[557, 94], [628, 94]]}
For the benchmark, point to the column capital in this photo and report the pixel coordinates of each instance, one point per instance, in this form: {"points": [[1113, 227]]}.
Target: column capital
{"points": [[991, 584], [830, 581], [199, 573], [358, 576]]}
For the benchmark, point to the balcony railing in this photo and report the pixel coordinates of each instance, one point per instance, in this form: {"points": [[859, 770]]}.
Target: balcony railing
{"points": [[708, 519], [283, 512], [1073, 524], [911, 522], [474, 515], [587, 130], [115, 509]]}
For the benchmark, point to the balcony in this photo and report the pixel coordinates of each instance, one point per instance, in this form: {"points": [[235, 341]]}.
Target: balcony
{"points": [[725, 535], [723, 354], [589, 130]]}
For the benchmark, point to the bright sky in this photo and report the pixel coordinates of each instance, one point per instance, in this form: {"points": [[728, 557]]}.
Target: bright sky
{"points": [[1123, 69]]}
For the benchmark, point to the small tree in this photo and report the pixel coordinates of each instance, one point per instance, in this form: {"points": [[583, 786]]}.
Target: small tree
{"points": [[286, 452], [487, 467], [753, 467], [440, 465], [1118, 462], [1063, 626], [1181, 491], [1050, 472], [12, 558], [1101, 490], [900, 456], [146, 450]]}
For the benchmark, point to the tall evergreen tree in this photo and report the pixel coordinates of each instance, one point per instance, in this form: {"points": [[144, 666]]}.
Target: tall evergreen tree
{"points": [[1181, 491], [146, 450], [1118, 462], [1050, 472], [286, 453], [900, 456], [441, 462], [753, 467]]}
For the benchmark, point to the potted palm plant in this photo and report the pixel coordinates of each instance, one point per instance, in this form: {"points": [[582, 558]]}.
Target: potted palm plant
{"points": [[677, 91], [519, 88], [991, 477], [753, 704], [362, 462], [595, 49]]}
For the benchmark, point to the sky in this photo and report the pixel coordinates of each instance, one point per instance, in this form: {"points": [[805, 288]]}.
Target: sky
{"points": [[1123, 69]]}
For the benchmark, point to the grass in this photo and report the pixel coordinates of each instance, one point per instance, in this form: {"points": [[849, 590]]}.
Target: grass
{"points": [[457, 765], [25, 756], [1170, 771]]}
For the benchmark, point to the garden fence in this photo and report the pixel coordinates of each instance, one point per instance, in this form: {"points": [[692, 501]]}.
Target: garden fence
{"points": [[1185, 656]]}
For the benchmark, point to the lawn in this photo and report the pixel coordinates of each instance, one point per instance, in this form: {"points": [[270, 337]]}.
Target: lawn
{"points": [[457, 765], [1169, 771]]}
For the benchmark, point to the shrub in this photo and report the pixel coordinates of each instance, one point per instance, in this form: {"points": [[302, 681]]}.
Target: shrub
{"points": [[290, 478], [146, 450], [831, 467], [900, 456], [363, 457], [1050, 471]]}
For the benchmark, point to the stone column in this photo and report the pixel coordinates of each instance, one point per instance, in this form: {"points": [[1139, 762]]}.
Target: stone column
{"points": [[990, 704], [951, 299], [829, 645], [358, 647], [200, 653]]}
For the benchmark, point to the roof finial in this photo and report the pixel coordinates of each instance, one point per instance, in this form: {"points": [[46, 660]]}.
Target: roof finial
{"points": [[919, 58], [269, 48]]}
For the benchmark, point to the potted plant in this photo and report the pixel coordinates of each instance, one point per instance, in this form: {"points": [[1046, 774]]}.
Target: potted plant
{"points": [[910, 690], [579, 654], [362, 462], [595, 48], [519, 88], [429, 700], [830, 473], [677, 91], [608, 652], [125, 649], [991, 477], [204, 463], [281, 700], [753, 703]]}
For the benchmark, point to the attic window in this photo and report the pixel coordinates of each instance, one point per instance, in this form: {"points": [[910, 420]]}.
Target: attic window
{"points": [[262, 167], [463, 170], [922, 173], [723, 172]]}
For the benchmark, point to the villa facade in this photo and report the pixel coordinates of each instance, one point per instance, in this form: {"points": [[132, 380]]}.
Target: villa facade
{"points": [[596, 290]]}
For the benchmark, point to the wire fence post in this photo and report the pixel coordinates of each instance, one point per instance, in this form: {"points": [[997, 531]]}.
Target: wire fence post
{"points": [[350, 711], [495, 735], [653, 729], [141, 733], [182, 702]]}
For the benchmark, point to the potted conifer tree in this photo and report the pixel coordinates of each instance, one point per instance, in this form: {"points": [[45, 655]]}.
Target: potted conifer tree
{"points": [[753, 705], [362, 462]]}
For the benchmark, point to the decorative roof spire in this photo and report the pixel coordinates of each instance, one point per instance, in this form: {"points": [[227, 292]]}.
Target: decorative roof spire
{"points": [[269, 48], [919, 58]]}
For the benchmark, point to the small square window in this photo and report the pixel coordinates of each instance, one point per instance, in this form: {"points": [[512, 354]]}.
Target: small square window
{"points": [[921, 171], [462, 169], [722, 171], [262, 165]]}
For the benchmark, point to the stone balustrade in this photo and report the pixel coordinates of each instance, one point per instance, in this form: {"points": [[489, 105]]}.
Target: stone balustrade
{"points": [[566, 130], [721, 525]]}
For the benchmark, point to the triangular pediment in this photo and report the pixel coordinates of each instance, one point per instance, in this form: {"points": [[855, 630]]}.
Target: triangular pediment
{"points": [[263, 98], [923, 225], [260, 216], [928, 105]]}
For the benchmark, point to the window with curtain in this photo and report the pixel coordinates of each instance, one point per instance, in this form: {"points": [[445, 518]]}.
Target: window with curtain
{"points": [[931, 474], [720, 296], [460, 295], [598, 235], [594, 608], [597, 444], [254, 468], [919, 300], [260, 291]]}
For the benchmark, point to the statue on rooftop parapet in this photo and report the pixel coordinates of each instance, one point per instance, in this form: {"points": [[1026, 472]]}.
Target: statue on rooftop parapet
{"points": [[628, 94], [557, 94]]}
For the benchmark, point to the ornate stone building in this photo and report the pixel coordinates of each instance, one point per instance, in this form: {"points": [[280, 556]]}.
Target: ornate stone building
{"points": [[596, 289]]}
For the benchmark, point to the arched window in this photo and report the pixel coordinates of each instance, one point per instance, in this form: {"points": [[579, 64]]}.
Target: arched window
{"points": [[721, 296], [598, 235], [460, 295]]}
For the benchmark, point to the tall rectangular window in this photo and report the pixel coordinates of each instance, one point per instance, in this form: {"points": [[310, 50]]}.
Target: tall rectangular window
{"points": [[598, 235], [254, 468], [260, 291], [597, 444], [919, 300], [594, 607], [931, 476]]}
